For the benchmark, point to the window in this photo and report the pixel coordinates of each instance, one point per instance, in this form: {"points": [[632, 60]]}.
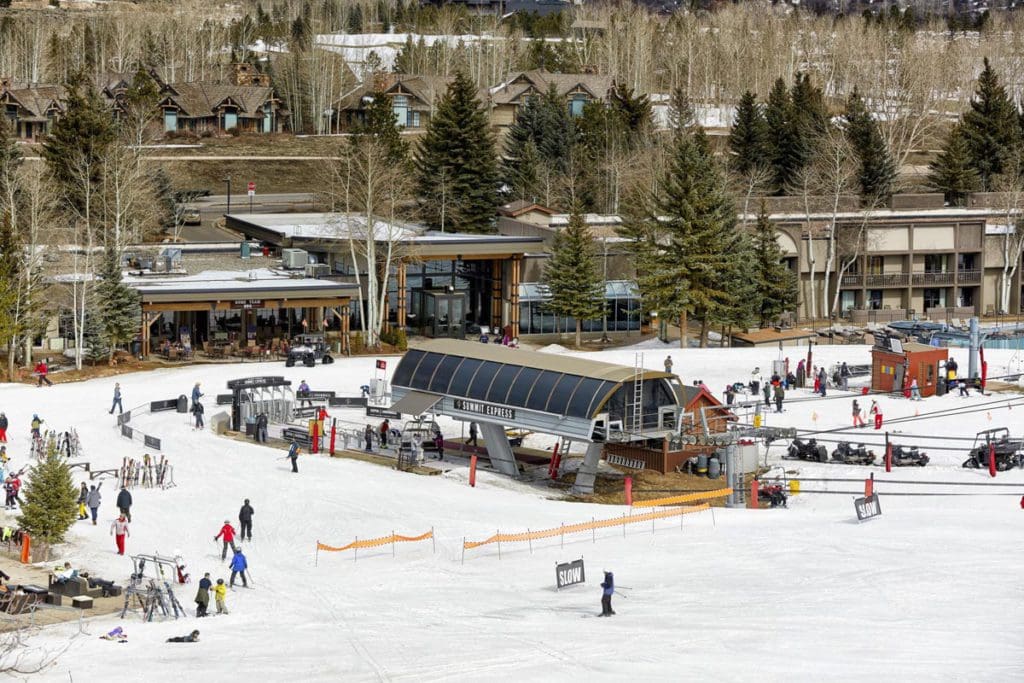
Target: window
{"points": [[935, 263], [520, 390], [460, 382], [425, 370], [576, 105], [412, 120], [875, 299], [445, 373], [559, 401], [965, 262], [583, 397], [934, 298], [498, 392], [268, 119], [170, 120], [876, 265], [542, 390], [400, 106], [230, 119]]}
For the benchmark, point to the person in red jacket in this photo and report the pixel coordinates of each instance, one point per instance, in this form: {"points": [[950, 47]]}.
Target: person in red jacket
{"points": [[228, 532], [119, 530], [42, 370]]}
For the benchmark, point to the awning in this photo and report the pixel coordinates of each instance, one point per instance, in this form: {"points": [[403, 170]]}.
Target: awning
{"points": [[416, 403]]}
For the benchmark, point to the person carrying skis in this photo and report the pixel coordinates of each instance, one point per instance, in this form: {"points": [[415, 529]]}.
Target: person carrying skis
{"points": [[197, 410], [293, 455], [93, 501], [608, 589], [36, 424], [83, 494], [42, 369], [124, 503], [220, 592], [245, 521], [228, 533], [3, 427], [119, 530], [117, 399], [190, 638], [238, 566], [203, 595]]}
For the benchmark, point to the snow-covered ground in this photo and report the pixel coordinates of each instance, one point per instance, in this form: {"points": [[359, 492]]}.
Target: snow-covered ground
{"points": [[929, 591]]}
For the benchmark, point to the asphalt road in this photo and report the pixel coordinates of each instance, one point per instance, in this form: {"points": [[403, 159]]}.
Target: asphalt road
{"points": [[213, 207]]}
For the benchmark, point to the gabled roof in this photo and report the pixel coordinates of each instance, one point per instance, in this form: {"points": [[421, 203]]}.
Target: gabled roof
{"points": [[36, 100], [203, 99], [521, 206], [539, 81], [426, 89]]}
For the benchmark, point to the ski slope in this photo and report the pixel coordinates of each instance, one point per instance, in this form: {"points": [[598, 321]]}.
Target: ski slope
{"points": [[929, 591]]}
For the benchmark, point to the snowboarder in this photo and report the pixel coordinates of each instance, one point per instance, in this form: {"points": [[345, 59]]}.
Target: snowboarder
{"points": [[190, 638], [220, 592], [780, 394], [245, 521], [293, 455], [196, 395], [668, 364], [385, 427], [858, 416], [197, 410], [915, 390], [119, 530], [117, 399], [472, 434], [3, 427], [124, 503], [83, 494], [608, 589], [228, 532], [42, 369], [368, 435], [203, 595], [238, 566], [93, 501], [36, 424]]}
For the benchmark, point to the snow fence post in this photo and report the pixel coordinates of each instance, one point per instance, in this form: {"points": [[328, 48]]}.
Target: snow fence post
{"points": [[316, 555], [992, 459], [623, 524], [355, 550], [498, 534], [392, 543], [628, 483], [713, 522], [433, 543], [593, 530], [472, 470], [561, 531]]}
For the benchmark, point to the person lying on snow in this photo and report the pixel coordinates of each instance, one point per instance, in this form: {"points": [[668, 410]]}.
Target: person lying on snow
{"points": [[190, 638]]}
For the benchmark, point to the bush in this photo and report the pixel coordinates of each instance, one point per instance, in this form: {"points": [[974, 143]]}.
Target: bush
{"points": [[401, 339], [234, 132], [356, 342]]}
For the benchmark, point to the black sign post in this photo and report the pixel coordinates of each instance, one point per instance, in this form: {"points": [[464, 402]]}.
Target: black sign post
{"points": [[569, 574], [347, 401], [377, 411], [867, 507]]}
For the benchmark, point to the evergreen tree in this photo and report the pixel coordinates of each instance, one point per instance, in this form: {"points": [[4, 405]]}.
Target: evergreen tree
{"points": [[748, 137], [951, 172], [78, 143], [991, 128], [633, 111], [542, 134], [379, 122], [571, 275], [781, 137], [877, 170], [94, 338], [50, 499], [458, 144], [776, 286], [117, 304]]}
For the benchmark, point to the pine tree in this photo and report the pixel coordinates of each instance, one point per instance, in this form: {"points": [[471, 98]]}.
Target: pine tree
{"points": [[748, 137], [379, 122], [163, 193], [78, 143], [571, 275], [633, 111], [458, 144], [94, 337], [542, 123], [991, 128], [951, 172], [776, 287], [781, 137], [877, 170], [50, 499], [117, 305]]}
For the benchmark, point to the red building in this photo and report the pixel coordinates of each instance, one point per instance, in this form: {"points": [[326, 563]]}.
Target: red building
{"points": [[894, 367]]}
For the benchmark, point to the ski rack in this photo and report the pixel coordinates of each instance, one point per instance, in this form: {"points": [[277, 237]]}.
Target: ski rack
{"points": [[153, 596]]}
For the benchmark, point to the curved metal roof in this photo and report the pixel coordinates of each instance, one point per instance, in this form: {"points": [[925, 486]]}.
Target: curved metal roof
{"points": [[561, 385]]}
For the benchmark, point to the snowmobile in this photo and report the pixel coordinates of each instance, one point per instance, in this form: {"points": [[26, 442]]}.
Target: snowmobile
{"points": [[904, 456], [806, 450], [848, 455], [1007, 450], [773, 493]]}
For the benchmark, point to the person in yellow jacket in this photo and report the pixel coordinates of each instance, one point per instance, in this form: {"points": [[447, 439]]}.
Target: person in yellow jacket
{"points": [[83, 493], [220, 592]]}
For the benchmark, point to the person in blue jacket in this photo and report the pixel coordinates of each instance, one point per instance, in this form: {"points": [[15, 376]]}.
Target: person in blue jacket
{"points": [[608, 586], [196, 395], [238, 566]]}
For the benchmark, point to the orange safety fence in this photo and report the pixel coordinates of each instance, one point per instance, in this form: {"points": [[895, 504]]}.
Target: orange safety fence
{"points": [[687, 498], [375, 542], [585, 526]]}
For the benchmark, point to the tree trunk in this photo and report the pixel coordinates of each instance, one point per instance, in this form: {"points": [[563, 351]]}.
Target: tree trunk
{"points": [[683, 336], [579, 333], [704, 333]]}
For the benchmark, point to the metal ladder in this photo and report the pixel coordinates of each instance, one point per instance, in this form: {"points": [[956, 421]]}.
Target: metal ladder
{"points": [[636, 422]]}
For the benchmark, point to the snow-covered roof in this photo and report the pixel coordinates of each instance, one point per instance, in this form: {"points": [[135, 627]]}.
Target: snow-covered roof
{"points": [[227, 282], [878, 214]]}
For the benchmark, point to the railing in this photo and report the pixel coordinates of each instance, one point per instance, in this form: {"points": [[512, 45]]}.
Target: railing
{"points": [[887, 280], [933, 278], [855, 280], [968, 277]]}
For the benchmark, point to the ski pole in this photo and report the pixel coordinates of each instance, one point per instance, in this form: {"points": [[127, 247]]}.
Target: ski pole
{"points": [[622, 595]]}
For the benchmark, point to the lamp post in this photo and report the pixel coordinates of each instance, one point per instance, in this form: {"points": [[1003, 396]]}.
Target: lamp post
{"points": [[604, 298], [227, 179]]}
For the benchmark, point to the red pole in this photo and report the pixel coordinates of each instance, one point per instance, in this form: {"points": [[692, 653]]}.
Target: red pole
{"points": [[888, 455], [992, 459], [472, 470], [316, 437], [334, 433], [553, 463], [629, 491], [869, 485], [556, 463], [755, 489]]}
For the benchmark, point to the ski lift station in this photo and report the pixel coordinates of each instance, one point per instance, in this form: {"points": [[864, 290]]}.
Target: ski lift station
{"points": [[575, 399]]}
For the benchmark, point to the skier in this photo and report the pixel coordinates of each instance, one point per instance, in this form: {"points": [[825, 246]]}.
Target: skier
{"points": [[876, 413], [197, 410], [915, 390], [220, 592], [83, 494], [293, 455], [124, 503], [203, 595], [780, 394], [3, 427], [93, 501], [858, 417], [42, 369], [245, 521], [261, 428], [668, 364], [196, 395], [119, 530], [823, 380], [117, 399], [608, 586], [228, 532], [844, 377], [302, 393], [368, 435], [767, 391], [817, 380], [36, 423], [238, 566], [190, 638], [472, 434], [801, 373], [9, 493], [439, 444], [385, 427]]}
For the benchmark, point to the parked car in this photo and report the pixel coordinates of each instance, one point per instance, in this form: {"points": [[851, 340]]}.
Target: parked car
{"points": [[191, 217]]}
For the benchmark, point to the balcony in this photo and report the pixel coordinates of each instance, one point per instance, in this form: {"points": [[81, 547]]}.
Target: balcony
{"points": [[968, 277], [854, 280], [933, 278], [887, 280]]}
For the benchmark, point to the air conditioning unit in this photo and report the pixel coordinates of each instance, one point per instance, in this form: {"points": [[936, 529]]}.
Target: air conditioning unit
{"points": [[294, 258], [317, 270]]}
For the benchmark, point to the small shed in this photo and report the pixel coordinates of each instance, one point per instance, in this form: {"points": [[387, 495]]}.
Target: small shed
{"points": [[773, 336], [894, 365]]}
